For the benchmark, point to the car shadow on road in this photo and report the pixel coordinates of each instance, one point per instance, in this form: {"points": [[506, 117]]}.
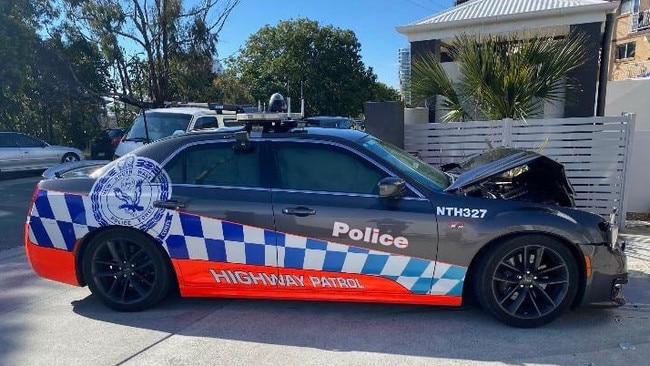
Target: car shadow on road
{"points": [[465, 333]]}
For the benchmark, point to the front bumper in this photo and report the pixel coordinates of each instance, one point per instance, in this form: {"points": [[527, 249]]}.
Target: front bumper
{"points": [[608, 275]]}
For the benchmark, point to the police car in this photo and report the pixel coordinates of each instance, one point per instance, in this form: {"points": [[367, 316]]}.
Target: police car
{"points": [[281, 211]]}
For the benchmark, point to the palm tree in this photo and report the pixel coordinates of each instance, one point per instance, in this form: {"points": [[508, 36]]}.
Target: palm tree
{"points": [[501, 76]]}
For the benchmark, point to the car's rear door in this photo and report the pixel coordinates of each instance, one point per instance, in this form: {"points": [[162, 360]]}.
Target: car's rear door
{"points": [[36, 154], [11, 155], [225, 239], [338, 234]]}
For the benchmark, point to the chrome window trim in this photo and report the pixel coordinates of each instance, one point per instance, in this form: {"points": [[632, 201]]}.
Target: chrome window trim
{"points": [[212, 186], [346, 194]]}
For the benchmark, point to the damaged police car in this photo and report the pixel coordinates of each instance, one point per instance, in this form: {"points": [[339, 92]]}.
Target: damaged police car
{"points": [[287, 212]]}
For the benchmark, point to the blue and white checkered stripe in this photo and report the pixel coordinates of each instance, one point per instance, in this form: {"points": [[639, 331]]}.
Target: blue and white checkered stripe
{"points": [[195, 237], [60, 219]]}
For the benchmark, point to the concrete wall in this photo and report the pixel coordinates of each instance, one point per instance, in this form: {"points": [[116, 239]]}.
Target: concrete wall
{"points": [[631, 96], [637, 188], [386, 121]]}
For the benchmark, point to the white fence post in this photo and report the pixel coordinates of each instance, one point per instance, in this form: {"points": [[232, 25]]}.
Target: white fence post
{"points": [[629, 139], [507, 132]]}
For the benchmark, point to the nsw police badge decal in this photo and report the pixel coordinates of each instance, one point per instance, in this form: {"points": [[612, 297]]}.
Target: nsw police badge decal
{"points": [[126, 193]]}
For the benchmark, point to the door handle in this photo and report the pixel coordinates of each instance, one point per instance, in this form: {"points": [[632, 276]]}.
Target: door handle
{"points": [[170, 204], [299, 211]]}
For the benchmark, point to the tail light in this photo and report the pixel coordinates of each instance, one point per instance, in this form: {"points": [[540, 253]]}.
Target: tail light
{"points": [[116, 140]]}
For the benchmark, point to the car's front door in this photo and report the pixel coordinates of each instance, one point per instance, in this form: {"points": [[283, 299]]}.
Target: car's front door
{"points": [[338, 234], [225, 239]]}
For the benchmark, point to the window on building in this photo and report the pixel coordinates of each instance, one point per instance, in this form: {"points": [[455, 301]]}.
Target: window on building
{"points": [[625, 50], [629, 6]]}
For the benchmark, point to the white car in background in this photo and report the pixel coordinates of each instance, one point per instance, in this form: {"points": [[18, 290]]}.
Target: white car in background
{"points": [[21, 152], [157, 123]]}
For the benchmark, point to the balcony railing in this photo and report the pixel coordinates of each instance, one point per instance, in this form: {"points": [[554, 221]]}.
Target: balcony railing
{"points": [[641, 20]]}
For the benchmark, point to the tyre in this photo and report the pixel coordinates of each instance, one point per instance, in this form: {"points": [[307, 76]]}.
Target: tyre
{"points": [[68, 157], [126, 270], [527, 281]]}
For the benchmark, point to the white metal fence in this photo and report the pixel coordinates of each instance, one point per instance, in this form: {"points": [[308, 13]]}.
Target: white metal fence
{"points": [[594, 151]]}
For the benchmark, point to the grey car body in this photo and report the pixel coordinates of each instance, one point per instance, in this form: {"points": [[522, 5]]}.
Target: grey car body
{"points": [[21, 152], [472, 218]]}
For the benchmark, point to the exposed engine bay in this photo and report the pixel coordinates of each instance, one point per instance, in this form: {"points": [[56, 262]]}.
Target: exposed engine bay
{"points": [[539, 179]]}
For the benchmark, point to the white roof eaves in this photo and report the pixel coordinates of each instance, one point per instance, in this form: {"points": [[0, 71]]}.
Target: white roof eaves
{"points": [[596, 11]]}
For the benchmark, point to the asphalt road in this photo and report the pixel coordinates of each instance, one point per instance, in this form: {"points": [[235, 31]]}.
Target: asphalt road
{"points": [[47, 323], [15, 195]]}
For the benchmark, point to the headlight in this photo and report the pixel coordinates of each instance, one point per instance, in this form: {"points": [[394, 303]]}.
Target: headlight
{"points": [[611, 232]]}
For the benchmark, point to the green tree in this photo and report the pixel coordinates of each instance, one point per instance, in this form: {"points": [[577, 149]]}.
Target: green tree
{"points": [[230, 89], [175, 42], [322, 60], [501, 76], [384, 93], [71, 75], [19, 22]]}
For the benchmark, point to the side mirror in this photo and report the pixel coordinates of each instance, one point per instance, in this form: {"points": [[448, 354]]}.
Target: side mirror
{"points": [[392, 187]]}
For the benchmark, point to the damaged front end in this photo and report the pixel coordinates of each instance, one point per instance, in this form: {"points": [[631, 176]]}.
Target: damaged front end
{"points": [[511, 174]]}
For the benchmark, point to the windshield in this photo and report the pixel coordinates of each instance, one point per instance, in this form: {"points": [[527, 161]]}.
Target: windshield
{"points": [[413, 167], [159, 124]]}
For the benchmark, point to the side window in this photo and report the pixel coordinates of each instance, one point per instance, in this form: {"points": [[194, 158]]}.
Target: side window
{"points": [[7, 140], [318, 167], [205, 122], [216, 164], [27, 141]]}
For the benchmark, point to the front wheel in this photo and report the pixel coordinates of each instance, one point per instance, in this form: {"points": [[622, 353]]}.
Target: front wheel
{"points": [[528, 281], [126, 270], [70, 157]]}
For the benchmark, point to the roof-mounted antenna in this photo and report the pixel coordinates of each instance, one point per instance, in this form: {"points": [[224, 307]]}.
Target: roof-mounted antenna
{"points": [[302, 102]]}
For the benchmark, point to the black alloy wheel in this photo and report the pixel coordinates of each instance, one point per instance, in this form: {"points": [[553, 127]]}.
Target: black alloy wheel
{"points": [[528, 281], [126, 270]]}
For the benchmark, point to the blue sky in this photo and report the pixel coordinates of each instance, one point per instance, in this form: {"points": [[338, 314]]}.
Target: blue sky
{"points": [[373, 22]]}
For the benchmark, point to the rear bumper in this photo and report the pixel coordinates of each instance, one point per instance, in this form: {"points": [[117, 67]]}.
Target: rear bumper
{"points": [[51, 263]]}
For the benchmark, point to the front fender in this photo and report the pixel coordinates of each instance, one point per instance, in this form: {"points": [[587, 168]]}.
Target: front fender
{"points": [[461, 238]]}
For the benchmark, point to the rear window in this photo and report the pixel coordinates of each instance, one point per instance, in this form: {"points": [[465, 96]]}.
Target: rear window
{"points": [[114, 133]]}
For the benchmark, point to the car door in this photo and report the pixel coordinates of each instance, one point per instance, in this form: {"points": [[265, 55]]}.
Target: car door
{"points": [[35, 152], [11, 156], [225, 239], [335, 230]]}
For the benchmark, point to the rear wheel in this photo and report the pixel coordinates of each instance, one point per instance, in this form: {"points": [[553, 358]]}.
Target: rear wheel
{"points": [[126, 270], [528, 281]]}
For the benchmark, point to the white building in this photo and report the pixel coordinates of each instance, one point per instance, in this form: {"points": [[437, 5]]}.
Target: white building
{"points": [[404, 58]]}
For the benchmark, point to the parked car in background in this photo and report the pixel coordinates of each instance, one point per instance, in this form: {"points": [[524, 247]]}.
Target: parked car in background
{"points": [[21, 152], [329, 122], [157, 123], [106, 142]]}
